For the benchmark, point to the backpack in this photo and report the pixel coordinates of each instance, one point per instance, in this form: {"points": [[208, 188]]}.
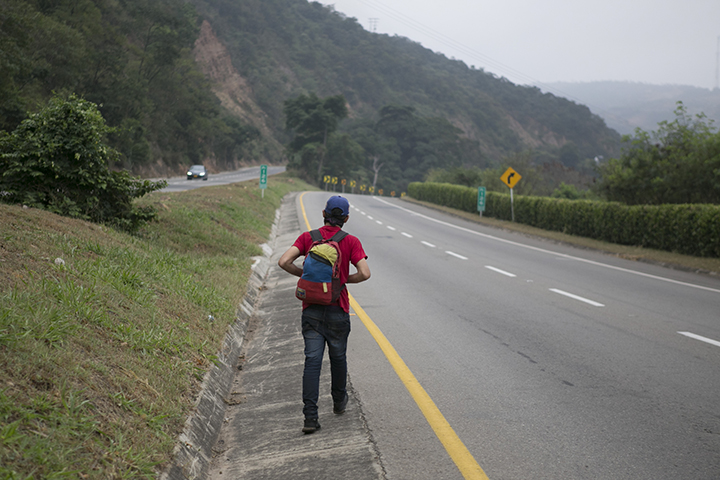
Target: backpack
{"points": [[320, 282]]}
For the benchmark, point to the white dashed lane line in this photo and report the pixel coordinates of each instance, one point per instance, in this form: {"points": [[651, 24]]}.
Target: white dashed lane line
{"points": [[508, 274], [701, 338], [427, 244], [576, 297], [500, 271]]}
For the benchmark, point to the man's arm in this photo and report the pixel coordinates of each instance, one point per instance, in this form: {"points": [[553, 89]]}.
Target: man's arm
{"points": [[362, 274], [287, 259]]}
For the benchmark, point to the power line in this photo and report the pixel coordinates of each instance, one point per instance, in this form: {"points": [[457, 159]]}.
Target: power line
{"points": [[717, 66]]}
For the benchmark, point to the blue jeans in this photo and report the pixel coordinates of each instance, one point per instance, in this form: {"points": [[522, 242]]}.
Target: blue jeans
{"points": [[324, 324]]}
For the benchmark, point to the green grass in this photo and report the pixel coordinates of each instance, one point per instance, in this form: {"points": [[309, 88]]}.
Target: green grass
{"points": [[102, 353]]}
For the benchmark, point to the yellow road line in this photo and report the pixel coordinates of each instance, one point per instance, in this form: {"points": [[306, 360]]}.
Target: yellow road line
{"points": [[462, 457]]}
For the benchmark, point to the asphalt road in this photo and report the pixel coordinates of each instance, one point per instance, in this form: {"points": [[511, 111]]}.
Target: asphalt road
{"points": [[546, 361], [178, 184]]}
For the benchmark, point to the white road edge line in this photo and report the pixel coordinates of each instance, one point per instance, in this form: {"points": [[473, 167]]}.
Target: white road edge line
{"points": [[701, 338], [428, 244], [510, 242], [407, 235], [591, 302], [456, 255], [500, 271]]}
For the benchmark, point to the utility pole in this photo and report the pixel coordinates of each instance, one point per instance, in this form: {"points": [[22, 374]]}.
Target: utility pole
{"points": [[717, 65], [374, 21]]}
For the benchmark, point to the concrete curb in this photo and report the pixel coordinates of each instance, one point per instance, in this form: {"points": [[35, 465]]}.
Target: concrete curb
{"points": [[193, 453]]}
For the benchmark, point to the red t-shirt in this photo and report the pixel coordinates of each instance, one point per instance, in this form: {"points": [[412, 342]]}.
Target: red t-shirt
{"points": [[351, 250]]}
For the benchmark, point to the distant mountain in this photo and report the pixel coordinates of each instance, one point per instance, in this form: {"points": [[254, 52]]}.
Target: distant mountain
{"points": [[626, 105], [279, 49]]}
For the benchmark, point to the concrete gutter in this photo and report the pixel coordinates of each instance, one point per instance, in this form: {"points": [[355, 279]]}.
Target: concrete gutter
{"points": [[248, 417]]}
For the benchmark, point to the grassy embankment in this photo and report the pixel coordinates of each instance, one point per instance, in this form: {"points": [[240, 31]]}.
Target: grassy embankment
{"points": [[102, 352]]}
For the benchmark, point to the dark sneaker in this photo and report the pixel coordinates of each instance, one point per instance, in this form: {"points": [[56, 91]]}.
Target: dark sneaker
{"points": [[339, 408], [311, 424]]}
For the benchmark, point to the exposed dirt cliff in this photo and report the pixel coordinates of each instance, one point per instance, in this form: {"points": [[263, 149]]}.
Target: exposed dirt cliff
{"points": [[234, 92]]}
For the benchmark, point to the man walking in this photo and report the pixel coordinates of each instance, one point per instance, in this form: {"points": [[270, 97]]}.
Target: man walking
{"points": [[329, 324]]}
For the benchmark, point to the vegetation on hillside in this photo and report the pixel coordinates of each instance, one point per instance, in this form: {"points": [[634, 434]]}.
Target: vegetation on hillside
{"points": [[539, 179], [401, 145], [285, 48], [678, 163], [314, 121], [134, 60], [58, 160]]}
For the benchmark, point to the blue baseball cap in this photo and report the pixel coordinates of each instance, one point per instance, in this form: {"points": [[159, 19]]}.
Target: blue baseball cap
{"points": [[337, 202]]}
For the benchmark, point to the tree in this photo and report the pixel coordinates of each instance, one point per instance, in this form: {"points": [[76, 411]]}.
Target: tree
{"points": [[421, 143], [344, 156], [312, 120], [678, 163], [58, 160], [569, 155], [380, 151]]}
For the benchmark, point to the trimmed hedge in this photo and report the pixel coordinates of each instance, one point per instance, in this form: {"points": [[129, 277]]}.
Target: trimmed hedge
{"points": [[688, 229]]}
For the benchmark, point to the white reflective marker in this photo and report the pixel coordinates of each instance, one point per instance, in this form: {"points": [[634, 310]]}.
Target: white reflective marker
{"points": [[407, 235], [428, 244], [456, 255]]}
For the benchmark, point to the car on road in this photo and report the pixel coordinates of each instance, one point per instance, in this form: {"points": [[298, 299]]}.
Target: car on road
{"points": [[197, 171]]}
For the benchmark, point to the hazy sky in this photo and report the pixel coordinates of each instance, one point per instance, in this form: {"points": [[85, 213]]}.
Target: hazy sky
{"points": [[537, 41]]}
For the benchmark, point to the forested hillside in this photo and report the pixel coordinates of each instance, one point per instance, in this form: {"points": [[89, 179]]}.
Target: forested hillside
{"points": [[287, 47], [206, 81], [134, 59]]}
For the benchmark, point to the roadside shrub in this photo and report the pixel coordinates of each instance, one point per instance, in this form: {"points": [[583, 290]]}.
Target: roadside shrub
{"points": [[57, 160], [689, 229]]}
